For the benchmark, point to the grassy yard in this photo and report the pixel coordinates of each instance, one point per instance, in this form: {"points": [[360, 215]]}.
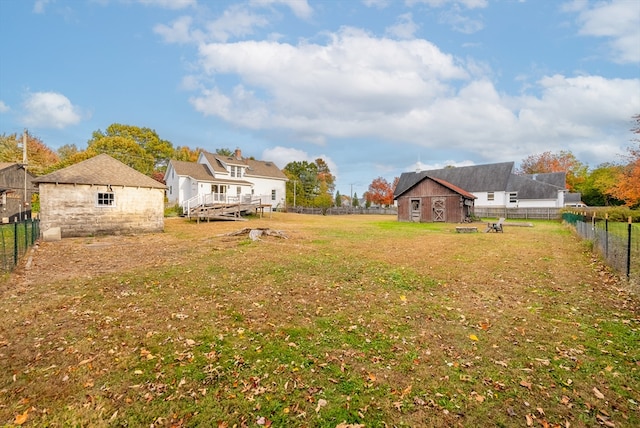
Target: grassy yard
{"points": [[352, 321]]}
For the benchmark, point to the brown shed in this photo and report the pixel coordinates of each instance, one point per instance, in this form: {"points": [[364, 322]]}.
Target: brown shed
{"points": [[433, 200]]}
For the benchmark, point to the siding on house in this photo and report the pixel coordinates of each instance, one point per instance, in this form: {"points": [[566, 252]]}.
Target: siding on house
{"points": [[224, 178]]}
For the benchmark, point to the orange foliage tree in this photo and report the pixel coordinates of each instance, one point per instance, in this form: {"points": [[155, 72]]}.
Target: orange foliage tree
{"points": [[381, 192], [627, 187], [563, 161]]}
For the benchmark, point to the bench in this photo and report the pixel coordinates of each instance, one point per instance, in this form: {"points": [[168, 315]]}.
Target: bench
{"points": [[495, 227], [466, 229]]}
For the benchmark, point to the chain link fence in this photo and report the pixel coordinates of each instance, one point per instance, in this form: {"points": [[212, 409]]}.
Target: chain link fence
{"points": [[617, 242], [15, 240]]}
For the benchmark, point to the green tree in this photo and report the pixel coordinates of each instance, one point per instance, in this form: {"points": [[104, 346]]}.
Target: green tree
{"points": [[303, 180], [596, 189], [126, 151], [338, 199], [224, 151], [159, 150], [323, 199], [67, 150], [354, 201]]}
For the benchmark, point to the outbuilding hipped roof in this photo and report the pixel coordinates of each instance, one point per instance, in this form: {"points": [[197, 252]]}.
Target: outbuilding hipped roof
{"points": [[100, 170]]}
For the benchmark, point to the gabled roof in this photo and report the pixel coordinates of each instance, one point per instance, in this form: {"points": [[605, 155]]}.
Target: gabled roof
{"points": [[198, 171], [453, 187], [444, 183], [558, 179], [529, 188], [264, 169], [476, 178], [100, 170], [255, 168], [4, 165]]}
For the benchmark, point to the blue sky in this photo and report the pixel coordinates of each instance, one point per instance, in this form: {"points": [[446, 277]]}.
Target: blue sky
{"points": [[374, 87]]}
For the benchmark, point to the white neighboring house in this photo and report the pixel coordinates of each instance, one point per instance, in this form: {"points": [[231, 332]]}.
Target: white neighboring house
{"points": [[496, 186], [215, 178]]}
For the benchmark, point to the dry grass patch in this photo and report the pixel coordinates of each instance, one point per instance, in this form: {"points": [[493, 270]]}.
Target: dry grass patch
{"points": [[355, 319]]}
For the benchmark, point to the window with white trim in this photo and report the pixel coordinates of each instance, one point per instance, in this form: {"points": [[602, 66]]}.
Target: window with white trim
{"points": [[513, 197], [491, 196], [105, 199], [273, 194]]}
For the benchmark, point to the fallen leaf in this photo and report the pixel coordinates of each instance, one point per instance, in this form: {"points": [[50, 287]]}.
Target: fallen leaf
{"points": [[22, 418], [529, 420], [525, 384], [344, 424], [473, 337], [321, 403], [597, 393]]}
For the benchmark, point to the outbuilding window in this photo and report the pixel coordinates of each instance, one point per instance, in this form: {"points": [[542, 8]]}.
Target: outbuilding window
{"points": [[106, 199]]}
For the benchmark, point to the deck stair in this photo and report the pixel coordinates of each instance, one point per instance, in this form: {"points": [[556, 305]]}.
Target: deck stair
{"points": [[223, 211]]}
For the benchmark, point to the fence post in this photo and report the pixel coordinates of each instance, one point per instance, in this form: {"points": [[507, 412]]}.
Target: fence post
{"points": [[629, 247], [606, 236], [15, 243]]}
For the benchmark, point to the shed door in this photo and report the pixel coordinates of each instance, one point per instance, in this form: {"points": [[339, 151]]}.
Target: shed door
{"points": [[438, 205], [415, 210]]}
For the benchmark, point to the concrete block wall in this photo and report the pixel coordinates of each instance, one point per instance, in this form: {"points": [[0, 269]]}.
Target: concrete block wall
{"points": [[74, 209]]}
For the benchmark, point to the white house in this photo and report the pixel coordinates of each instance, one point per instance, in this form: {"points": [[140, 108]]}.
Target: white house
{"points": [[215, 178], [496, 186]]}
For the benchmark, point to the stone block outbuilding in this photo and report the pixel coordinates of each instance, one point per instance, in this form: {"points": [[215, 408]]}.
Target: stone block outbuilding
{"points": [[100, 196]]}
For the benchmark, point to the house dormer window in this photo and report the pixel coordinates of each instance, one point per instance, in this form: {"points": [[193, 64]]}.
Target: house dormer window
{"points": [[232, 170]]}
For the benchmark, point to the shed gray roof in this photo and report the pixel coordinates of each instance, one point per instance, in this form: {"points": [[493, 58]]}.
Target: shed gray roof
{"points": [[476, 178], [528, 188], [100, 170]]}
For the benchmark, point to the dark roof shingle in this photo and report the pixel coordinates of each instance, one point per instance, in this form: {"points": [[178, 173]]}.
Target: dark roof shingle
{"points": [[100, 170]]}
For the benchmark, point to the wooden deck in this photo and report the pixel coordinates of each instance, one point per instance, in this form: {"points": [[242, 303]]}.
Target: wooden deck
{"points": [[224, 211]]}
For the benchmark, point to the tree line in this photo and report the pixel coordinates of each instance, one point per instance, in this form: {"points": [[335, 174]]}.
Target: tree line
{"points": [[311, 184]]}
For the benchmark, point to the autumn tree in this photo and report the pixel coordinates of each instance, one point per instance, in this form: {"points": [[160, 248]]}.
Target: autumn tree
{"points": [[380, 192], [39, 156], [627, 187], [597, 188], [563, 161], [186, 154]]}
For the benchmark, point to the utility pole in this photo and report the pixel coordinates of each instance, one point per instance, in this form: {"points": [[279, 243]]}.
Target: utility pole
{"points": [[24, 165]]}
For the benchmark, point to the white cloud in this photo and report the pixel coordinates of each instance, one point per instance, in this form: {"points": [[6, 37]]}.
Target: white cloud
{"points": [[49, 110], [169, 4], [616, 20], [179, 31], [236, 21], [281, 156], [469, 4], [460, 22], [404, 28], [356, 86], [39, 6], [380, 4], [300, 8], [3, 107], [329, 89]]}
